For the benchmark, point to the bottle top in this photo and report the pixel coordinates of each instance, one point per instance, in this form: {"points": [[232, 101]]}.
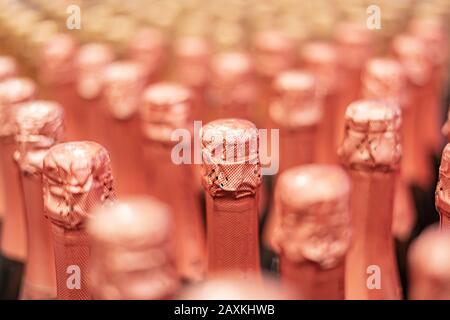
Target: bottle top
{"points": [[230, 153], [132, 251], [76, 178], [166, 107], [372, 136], [39, 126], [314, 203]]}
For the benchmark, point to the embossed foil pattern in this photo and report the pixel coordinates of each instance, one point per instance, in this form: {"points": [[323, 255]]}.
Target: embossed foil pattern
{"points": [[372, 137], [313, 201], [230, 158], [39, 126], [442, 194], [76, 177]]}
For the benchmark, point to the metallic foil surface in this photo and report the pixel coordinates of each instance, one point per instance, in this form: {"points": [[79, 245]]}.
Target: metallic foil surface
{"points": [[91, 61], [12, 92], [168, 107], [230, 158], [315, 225], [442, 194], [39, 126], [76, 178], [8, 67], [132, 251], [372, 138], [123, 85], [231, 178], [428, 265]]}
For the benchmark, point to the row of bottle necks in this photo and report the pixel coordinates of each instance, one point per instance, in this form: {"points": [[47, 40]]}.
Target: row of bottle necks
{"points": [[314, 121]]}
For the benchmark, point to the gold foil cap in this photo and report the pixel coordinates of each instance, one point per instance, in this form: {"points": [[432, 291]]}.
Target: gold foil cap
{"points": [[8, 67], [123, 84], [442, 196], [76, 177], [384, 79], [313, 201], [414, 57], [91, 61], [296, 103], [230, 153], [372, 136], [320, 58], [354, 43], [132, 251], [12, 92], [166, 107], [39, 126], [57, 63], [232, 79], [428, 264], [274, 53]]}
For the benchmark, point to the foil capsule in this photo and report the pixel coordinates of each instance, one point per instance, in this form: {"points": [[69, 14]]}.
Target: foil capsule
{"points": [[39, 126], [314, 230], [76, 178], [132, 252], [442, 194], [428, 265], [372, 137]]}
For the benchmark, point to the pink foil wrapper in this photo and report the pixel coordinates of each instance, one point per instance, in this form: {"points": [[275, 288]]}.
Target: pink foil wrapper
{"points": [[168, 107], [313, 233], [132, 251], [428, 265], [76, 178]]}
